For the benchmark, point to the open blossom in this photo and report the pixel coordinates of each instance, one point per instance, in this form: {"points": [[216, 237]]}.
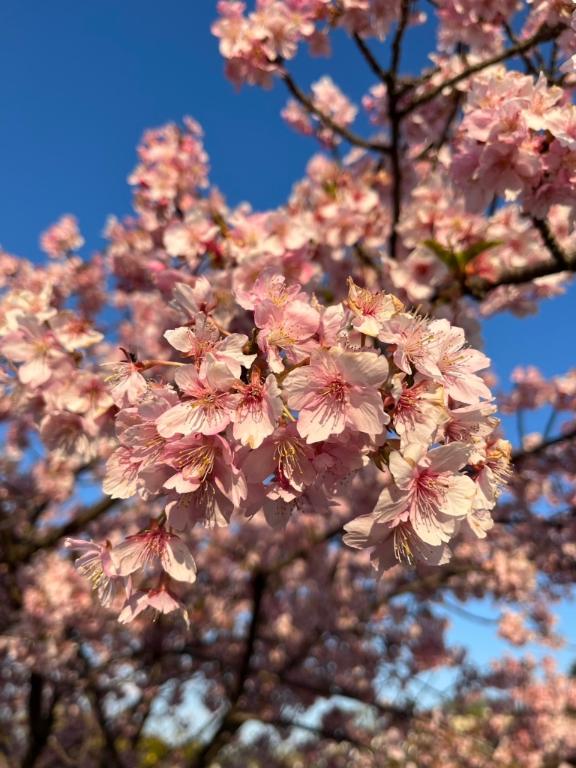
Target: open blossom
{"points": [[419, 274], [127, 385], [284, 330], [392, 544], [204, 339], [74, 332], [258, 409], [206, 484], [336, 390], [189, 238], [458, 364], [69, 434], [95, 563], [428, 492], [155, 545], [193, 299], [419, 410], [415, 344], [160, 600], [370, 309], [36, 348], [209, 407], [285, 459]]}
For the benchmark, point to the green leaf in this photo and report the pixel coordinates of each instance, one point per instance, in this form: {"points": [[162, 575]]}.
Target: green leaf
{"points": [[444, 254], [463, 257]]}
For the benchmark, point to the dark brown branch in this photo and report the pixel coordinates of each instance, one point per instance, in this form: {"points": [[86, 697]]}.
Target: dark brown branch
{"points": [[395, 118], [229, 723], [373, 62], [40, 719], [345, 133], [399, 713], [522, 455], [445, 133], [545, 34], [559, 256], [480, 288], [111, 755], [78, 523], [323, 733], [528, 63]]}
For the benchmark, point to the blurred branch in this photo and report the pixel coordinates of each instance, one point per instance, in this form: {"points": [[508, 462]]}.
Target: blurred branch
{"points": [[317, 730], [545, 34], [111, 756], [345, 133], [550, 242], [521, 455], [229, 723], [40, 718], [77, 524], [373, 62], [480, 288], [395, 118]]}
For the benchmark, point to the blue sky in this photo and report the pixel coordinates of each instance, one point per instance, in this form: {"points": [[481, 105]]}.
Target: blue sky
{"points": [[83, 80]]}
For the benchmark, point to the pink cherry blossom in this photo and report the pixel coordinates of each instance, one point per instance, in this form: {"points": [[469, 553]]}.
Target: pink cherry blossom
{"points": [[143, 549], [209, 407], [257, 411], [336, 390], [62, 238], [428, 491], [369, 309], [95, 563], [284, 330]]}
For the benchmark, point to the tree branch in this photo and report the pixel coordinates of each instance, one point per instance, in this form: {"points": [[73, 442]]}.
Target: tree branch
{"points": [[83, 517], [560, 257], [40, 719], [395, 118], [545, 34], [373, 62], [281, 722], [111, 755], [345, 133], [519, 456], [229, 723]]}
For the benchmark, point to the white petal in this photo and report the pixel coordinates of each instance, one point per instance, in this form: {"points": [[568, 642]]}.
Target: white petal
{"points": [[177, 561]]}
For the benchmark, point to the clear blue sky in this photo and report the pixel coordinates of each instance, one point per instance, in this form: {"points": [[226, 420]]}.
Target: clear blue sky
{"points": [[82, 80]]}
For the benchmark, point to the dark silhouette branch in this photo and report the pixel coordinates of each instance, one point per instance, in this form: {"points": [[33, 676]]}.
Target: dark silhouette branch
{"points": [[40, 718], [545, 34], [230, 723], [345, 133]]}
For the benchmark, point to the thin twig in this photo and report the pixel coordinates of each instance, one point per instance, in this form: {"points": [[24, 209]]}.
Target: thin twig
{"points": [[543, 35], [395, 118], [345, 133]]}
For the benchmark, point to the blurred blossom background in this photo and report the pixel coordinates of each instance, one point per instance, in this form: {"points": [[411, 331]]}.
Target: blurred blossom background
{"points": [[81, 83]]}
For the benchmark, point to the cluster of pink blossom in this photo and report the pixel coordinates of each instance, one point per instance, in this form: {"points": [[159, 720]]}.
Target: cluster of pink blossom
{"points": [[278, 424], [517, 140], [479, 26], [47, 381], [331, 102], [254, 45], [63, 238]]}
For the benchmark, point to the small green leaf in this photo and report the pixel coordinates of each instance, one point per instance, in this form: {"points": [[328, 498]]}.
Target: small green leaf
{"points": [[444, 254], [463, 257]]}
